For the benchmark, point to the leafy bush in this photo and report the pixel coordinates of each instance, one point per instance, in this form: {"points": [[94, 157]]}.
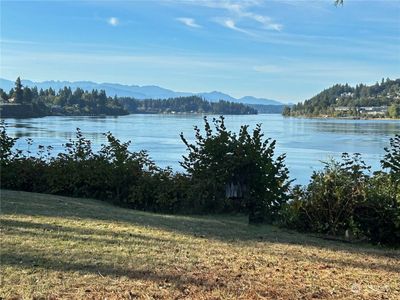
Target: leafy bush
{"points": [[236, 172], [378, 215], [327, 204], [162, 191], [342, 198], [113, 174], [391, 161], [6, 146]]}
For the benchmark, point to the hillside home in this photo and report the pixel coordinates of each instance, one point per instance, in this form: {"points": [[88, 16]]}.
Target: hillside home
{"points": [[342, 108], [373, 110]]}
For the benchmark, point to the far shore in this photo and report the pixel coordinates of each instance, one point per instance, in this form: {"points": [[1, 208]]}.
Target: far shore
{"points": [[345, 118]]}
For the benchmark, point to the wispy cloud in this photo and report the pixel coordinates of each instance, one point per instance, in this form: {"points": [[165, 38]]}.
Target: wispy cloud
{"points": [[189, 22], [113, 21], [266, 22], [229, 23], [240, 10]]}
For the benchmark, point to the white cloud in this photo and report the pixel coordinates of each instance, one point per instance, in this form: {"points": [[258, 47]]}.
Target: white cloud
{"points": [[113, 21], [266, 22], [188, 22], [240, 10], [275, 26], [229, 23]]}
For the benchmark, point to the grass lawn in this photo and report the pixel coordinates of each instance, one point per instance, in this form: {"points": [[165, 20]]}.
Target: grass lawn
{"points": [[61, 248]]}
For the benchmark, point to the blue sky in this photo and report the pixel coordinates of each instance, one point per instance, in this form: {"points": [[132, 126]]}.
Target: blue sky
{"points": [[287, 50]]}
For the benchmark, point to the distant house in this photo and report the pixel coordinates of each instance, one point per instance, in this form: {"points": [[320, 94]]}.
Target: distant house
{"points": [[373, 110], [342, 108], [347, 95], [366, 110]]}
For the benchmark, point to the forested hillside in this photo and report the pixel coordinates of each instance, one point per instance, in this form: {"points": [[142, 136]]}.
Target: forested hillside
{"points": [[380, 99]]}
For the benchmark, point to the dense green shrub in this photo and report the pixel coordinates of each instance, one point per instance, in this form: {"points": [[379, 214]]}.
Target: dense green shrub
{"points": [[343, 198], [18, 170], [378, 216], [391, 161], [327, 204], [113, 174], [162, 191], [236, 172], [6, 146]]}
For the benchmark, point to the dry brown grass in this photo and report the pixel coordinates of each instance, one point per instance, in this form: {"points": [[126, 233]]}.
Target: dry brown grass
{"points": [[65, 248]]}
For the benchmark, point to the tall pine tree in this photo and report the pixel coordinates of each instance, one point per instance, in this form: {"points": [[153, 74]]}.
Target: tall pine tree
{"points": [[18, 92]]}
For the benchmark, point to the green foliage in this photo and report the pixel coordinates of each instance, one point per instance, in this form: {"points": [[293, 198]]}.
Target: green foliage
{"points": [[240, 167], [286, 111], [391, 161], [343, 198], [3, 96], [113, 174], [80, 102], [18, 170], [6, 146], [378, 215], [35, 103], [394, 110], [18, 91], [327, 204], [190, 104], [386, 93]]}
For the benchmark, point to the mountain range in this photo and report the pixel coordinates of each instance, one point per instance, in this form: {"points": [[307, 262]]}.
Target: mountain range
{"points": [[136, 91]]}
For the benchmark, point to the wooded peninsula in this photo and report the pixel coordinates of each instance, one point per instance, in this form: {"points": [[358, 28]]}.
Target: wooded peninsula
{"points": [[381, 100]]}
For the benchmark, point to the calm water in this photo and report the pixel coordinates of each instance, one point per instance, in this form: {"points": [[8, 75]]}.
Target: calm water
{"points": [[305, 141]]}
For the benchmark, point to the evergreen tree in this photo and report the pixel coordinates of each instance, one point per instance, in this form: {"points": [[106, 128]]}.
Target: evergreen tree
{"points": [[27, 95], [18, 92], [3, 95]]}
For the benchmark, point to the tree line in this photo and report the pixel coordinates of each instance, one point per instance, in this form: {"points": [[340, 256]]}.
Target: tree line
{"points": [[225, 172], [23, 101], [63, 102], [189, 104]]}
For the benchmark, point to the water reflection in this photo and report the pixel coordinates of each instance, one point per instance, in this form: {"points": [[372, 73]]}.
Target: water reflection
{"points": [[22, 134]]}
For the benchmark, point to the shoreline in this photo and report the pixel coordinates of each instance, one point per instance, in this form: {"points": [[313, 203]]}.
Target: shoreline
{"points": [[200, 113], [343, 118], [120, 115]]}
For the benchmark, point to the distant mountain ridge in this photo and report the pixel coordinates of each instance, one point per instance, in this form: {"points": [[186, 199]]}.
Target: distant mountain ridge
{"points": [[138, 92]]}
